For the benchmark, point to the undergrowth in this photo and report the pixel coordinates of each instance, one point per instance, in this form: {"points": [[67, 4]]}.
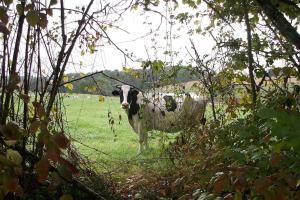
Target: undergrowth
{"points": [[256, 157]]}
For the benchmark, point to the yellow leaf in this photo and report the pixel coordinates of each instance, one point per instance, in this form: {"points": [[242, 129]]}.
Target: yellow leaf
{"points": [[91, 89], [81, 75], [65, 79], [101, 98], [69, 86], [14, 156]]}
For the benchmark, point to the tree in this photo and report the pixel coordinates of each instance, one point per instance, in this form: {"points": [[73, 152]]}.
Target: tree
{"points": [[38, 40]]}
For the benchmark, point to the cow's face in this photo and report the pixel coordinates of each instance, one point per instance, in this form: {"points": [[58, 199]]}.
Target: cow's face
{"points": [[128, 95]]}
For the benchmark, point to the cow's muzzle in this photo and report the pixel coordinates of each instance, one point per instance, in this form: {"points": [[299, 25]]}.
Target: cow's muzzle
{"points": [[125, 105]]}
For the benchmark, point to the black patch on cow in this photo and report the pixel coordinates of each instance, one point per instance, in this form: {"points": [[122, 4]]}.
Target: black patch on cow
{"points": [[163, 113], [116, 92], [121, 96], [133, 106], [171, 104]]}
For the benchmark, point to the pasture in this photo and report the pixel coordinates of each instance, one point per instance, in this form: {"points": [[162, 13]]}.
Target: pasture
{"points": [[88, 124]]}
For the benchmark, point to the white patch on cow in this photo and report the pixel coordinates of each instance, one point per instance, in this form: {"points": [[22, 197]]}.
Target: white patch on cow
{"points": [[125, 89], [140, 98]]}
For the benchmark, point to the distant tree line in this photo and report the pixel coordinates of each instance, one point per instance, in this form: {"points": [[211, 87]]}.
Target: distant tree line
{"points": [[139, 78]]}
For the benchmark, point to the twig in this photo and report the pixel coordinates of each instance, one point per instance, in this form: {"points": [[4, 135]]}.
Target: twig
{"points": [[110, 77], [219, 14], [80, 78], [104, 74]]}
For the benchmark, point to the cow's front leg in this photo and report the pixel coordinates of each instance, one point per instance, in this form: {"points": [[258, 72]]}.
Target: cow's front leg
{"points": [[141, 134], [143, 144]]}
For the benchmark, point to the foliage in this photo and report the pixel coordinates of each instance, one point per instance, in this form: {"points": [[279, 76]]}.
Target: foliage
{"points": [[35, 150], [259, 163], [234, 156]]}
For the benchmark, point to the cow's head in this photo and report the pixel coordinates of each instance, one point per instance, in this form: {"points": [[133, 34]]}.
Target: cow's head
{"points": [[128, 95]]}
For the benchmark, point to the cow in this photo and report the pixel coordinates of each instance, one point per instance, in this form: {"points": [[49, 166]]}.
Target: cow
{"points": [[163, 112]]}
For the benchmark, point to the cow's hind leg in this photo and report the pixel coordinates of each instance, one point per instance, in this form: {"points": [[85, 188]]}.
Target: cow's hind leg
{"points": [[140, 147], [146, 146]]}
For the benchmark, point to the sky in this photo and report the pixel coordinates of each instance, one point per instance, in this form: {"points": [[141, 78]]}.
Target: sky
{"points": [[135, 39]]}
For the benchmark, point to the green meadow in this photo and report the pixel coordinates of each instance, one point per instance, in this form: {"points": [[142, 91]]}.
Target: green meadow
{"points": [[107, 146]]}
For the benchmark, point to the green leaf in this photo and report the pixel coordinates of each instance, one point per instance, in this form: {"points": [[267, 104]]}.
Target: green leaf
{"points": [[66, 197], [6, 162], [8, 2], [29, 7], [157, 65], [53, 2], [287, 71], [238, 196], [43, 22], [3, 15], [33, 17], [14, 156], [20, 9]]}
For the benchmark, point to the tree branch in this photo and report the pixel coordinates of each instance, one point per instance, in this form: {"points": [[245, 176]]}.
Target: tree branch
{"points": [[280, 22]]}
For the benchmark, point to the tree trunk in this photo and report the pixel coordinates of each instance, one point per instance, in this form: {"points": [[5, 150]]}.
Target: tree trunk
{"points": [[13, 65], [250, 55], [280, 22]]}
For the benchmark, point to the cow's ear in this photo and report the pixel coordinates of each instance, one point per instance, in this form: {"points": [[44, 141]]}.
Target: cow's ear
{"points": [[135, 92], [116, 92]]}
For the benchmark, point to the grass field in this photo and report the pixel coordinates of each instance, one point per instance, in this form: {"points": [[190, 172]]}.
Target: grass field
{"points": [[88, 123]]}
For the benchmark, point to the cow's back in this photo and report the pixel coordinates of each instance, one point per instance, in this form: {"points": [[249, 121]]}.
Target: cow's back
{"points": [[189, 112], [193, 110]]}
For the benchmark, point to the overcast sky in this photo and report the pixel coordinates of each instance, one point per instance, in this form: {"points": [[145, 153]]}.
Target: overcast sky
{"points": [[134, 40]]}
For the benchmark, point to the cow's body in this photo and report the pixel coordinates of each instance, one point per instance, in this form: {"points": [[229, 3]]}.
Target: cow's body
{"points": [[164, 112]]}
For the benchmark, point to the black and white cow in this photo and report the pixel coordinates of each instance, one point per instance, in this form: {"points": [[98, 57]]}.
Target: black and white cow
{"points": [[164, 112]]}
